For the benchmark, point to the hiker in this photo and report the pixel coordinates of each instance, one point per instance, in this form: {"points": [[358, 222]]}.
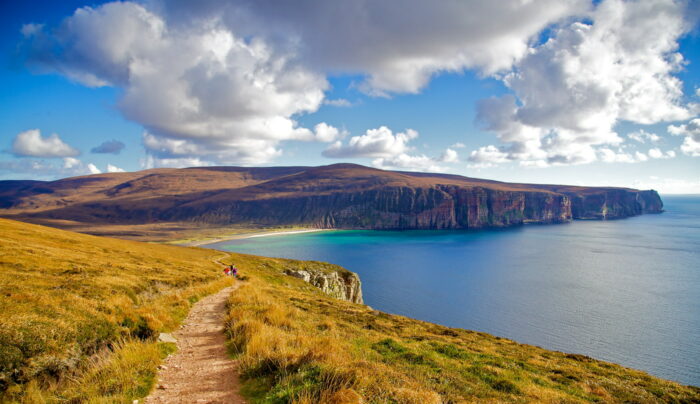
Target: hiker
{"points": [[234, 271], [227, 271]]}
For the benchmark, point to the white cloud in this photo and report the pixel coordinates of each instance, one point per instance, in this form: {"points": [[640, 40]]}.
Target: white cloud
{"points": [[114, 169], [338, 102], [668, 185], [380, 142], [93, 169], [408, 162], [449, 156], [656, 153], [390, 151], [691, 147], [52, 169], [697, 91], [642, 136], [458, 145], [609, 156], [327, 133], [31, 144], [574, 88], [487, 156], [228, 78], [218, 95], [640, 156], [397, 44], [154, 162], [691, 131], [70, 162]]}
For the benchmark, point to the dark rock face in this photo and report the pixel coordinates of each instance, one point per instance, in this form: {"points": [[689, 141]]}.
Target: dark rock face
{"points": [[343, 196], [615, 204], [442, 207]]}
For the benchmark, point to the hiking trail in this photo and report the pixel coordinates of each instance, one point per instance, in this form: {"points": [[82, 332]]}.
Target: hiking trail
{"points": [[201, 370]]}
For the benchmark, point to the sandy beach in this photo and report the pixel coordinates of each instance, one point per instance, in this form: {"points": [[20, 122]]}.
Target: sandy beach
{"points": [[262, 233]]}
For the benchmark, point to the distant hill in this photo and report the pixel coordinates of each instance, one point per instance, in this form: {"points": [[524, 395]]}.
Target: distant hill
{"points": [[346, 196]]}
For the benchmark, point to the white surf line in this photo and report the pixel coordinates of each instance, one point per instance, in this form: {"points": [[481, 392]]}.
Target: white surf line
{"points": [[283, 233]]}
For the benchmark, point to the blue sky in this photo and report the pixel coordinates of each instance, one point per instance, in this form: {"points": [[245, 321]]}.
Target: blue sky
{"points": [[547, 92]]}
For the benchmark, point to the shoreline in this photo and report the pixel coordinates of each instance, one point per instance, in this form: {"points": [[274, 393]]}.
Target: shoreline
{"points": [[204, 243]]}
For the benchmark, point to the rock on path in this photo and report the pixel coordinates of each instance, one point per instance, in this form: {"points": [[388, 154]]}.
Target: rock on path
{"points": [[200, 371]]}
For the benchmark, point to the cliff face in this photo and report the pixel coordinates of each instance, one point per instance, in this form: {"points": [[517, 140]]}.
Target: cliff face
{"points": [[441, 207], [615, 204], [340, 284], [342, 196]]}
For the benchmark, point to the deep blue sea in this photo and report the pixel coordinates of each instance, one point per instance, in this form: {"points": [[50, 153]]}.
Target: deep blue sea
{"points": [[625, 291]]}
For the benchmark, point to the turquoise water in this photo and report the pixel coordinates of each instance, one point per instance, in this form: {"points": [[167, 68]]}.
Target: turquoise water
{"points": [[626, 291]]}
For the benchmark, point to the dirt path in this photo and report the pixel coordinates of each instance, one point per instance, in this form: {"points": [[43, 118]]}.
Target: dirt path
{"points": [[200, 371]]}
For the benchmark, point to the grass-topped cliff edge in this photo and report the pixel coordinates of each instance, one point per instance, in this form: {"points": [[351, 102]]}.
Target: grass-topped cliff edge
{"points": [[79, 317], [297, 345]]}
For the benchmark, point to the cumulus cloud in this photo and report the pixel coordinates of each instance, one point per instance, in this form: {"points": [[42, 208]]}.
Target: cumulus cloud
{"points": [[571, 91], [93, 169], [643, 136], [487, 156], [408, 162], [52, 169], [691, 131], [379, 142], [656, 153], [398, 45], [114, 169], [327, 133], [31, 144], [226, 79], [608, 155], [390, 150], [449, 156], [109, 147], [223, 97]]}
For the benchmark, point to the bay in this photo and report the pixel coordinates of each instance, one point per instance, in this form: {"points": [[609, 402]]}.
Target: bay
{"points": [[625, 291]]}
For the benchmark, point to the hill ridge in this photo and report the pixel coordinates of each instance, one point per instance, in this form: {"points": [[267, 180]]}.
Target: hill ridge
{"points": [[343, 195]]}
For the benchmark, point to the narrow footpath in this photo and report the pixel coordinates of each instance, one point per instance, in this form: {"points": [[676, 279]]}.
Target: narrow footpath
{"points": [[200, 371]]}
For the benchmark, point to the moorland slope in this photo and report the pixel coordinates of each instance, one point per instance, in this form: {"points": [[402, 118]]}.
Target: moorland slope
{"points": [[343, 196], [80, 316]]}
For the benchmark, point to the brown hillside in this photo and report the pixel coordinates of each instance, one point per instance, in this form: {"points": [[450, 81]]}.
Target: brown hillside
{"points": [[335, 196]]}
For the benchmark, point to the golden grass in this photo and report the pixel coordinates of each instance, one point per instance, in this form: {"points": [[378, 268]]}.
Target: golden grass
{"points": [[80, 313], [297, 345]]}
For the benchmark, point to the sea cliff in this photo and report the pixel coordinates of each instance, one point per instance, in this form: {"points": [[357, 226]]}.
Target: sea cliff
{"points": [[339, 196], [439, 207], [339, 283]]}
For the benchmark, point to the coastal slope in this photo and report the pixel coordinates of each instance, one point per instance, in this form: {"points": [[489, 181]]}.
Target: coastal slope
{"points": [[82, 315], [339, 196]]}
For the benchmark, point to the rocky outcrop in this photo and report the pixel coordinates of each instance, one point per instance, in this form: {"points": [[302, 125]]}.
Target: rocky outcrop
{"points": [[340, 284], [615, 204]]}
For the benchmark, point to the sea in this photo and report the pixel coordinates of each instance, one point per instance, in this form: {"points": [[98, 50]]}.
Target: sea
{"points": [[625, 291]]}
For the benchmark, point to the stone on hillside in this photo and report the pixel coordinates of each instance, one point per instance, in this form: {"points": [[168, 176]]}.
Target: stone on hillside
{"points": [[166, 337]]}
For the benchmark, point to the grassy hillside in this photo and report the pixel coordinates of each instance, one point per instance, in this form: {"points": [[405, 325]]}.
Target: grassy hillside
{"points": [[80, 313], [297, 345]]}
